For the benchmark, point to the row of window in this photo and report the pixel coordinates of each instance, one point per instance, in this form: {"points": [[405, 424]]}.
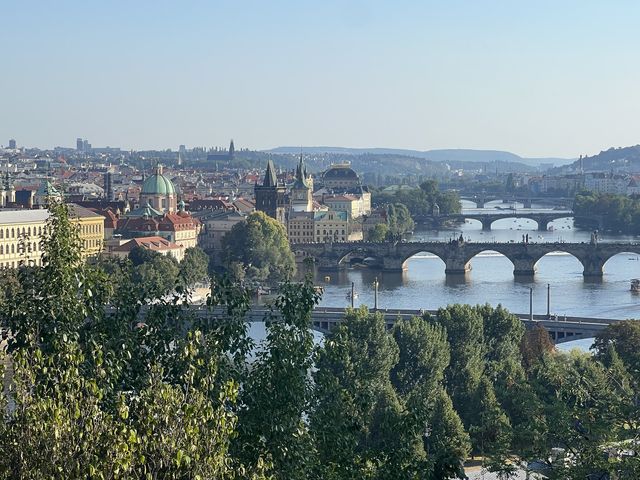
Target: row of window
{"points": [[19, 248], [91, 243], [15, 232], [28, 231], [91, 228]]}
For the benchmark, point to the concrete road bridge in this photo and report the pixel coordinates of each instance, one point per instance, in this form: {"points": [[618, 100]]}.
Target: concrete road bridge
{"points": [[325, 319], [487, 219], [457, 255]]}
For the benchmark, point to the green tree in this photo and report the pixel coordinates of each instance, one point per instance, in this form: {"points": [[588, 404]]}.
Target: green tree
{"points": [[378, 233], [353, 387], [140, 255], [156, 277], [625, 338], [447, 442], [110, 396], [491, 430], [591, 412], [277, 392], [194, 266], [464, 327], [418, 379], [261, 245]]}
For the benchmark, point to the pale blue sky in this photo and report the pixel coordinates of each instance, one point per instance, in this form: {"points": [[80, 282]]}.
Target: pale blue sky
{"points": [[539, 78]]}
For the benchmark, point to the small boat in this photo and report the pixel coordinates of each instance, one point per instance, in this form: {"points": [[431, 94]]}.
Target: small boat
{"points": [[633, 258], [355, 295], [635, 285]]}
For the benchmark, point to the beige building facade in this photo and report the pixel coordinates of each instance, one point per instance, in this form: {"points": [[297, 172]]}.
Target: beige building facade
{"points": [[22, 232]]}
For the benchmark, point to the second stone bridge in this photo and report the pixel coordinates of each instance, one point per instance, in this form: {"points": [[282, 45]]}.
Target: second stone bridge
{"points": [[457, 255]]}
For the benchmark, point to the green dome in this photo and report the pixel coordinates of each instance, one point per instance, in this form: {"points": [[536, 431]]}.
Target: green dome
{"points": [[158, 184]]}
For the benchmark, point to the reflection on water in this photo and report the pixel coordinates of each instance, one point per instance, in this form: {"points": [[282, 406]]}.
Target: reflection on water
{"points": [[491, 280]]}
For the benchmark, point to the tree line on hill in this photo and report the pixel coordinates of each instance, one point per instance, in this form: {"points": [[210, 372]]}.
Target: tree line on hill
{"points": [[147, 389]]}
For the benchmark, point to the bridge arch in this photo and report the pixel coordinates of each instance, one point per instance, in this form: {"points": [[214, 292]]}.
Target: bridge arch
{"points": [[470, 256], [559, 249], [631, 253], [514, 217], [474, 221], [544, 224], [361, 252], [406, 257]]}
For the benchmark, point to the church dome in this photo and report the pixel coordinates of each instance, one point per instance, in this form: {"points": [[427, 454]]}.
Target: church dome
{"points": [[340, 172], [158, 184]]}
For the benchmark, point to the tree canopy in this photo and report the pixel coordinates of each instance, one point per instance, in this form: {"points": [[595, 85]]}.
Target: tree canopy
{"points": [[420, 201], [616, 212], [260, 245], [146, 389]]}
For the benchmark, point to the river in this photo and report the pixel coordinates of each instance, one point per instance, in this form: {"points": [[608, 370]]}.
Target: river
{"points": [[424, 284]]}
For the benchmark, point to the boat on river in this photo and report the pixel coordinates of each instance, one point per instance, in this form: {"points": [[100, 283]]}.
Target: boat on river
{"points": [[635, 285]]}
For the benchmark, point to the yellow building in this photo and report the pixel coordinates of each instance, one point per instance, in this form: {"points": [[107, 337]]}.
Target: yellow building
{"points": [[356, 205], [300, 227], [331, 226], [90, 229], [21, 233]]}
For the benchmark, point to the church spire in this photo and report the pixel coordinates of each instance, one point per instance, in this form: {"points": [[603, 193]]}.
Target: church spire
{"points": [[270, 177]]}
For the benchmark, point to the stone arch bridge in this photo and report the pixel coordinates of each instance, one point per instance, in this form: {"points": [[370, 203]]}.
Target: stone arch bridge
{"points": [[487, 219], [457, 256]]}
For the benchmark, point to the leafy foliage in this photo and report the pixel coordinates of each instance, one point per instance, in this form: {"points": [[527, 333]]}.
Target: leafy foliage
{"points": [[420, 201], [194, 267], [260, 244], [105, 378], [617, 212]]}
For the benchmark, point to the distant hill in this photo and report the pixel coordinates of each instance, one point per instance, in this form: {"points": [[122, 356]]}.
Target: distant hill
{"points": [[445, 155], [626, 159]]}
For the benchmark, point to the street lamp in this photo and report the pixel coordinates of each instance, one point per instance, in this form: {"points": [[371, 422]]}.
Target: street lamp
{"points": [[375, 294]]}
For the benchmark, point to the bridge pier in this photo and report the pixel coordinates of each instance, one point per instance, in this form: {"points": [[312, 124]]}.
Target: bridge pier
{"points": [[479, 203], [486, 224], [328, 264], [392, 264], [456, 266], [524, 267], [593, 267], [542, 225]]}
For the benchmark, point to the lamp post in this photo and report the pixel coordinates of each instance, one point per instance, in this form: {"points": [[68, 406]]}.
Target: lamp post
{"points": [[548, 300], [353, 291], [531, 304], [375, 294]]}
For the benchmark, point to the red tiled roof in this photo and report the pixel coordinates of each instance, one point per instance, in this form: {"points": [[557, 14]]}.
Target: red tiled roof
{"points": [[157, 244]]}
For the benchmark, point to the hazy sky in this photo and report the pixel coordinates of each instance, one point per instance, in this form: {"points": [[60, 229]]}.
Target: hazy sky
{"points": [[539, 78]]}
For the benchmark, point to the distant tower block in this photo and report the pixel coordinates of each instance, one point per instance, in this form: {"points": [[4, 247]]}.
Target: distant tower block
{"points": [[108, 186], [12, 144]]}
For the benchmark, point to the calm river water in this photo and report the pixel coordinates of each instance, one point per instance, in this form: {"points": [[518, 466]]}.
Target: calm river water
{"points": [[425, 285]]}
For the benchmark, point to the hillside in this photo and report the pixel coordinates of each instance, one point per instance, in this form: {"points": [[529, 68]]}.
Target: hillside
{"points": [[622, 159], [443, 155]]}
